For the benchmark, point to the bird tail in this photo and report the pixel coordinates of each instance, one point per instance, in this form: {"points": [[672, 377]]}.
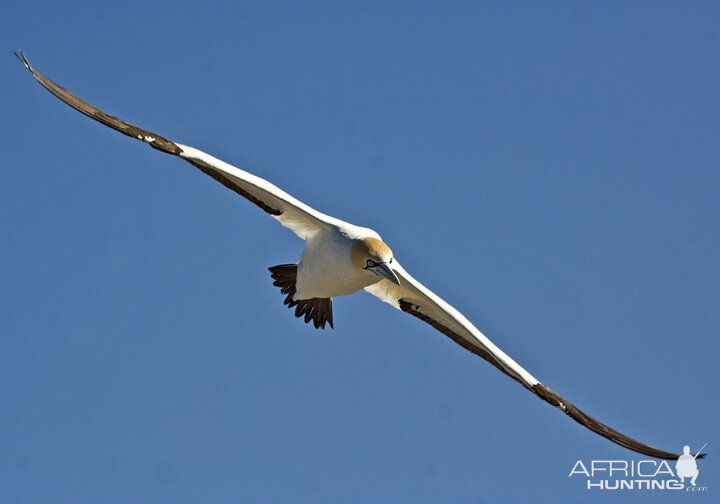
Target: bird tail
{"points": [[319, 310]]}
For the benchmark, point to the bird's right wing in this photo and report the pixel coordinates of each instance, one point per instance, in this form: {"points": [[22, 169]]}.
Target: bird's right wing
{"points": [[414, 298], [303, 220]]}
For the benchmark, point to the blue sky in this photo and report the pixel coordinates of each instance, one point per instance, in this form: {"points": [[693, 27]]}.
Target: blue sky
{"points": [[551, 170]]}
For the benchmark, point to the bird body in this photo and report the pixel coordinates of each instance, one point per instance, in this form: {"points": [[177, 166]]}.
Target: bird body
{"points": [[326, 267], [339, 259]]}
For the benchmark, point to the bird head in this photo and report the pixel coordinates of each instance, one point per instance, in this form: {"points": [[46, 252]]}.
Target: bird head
{"points": [[374, 257]]}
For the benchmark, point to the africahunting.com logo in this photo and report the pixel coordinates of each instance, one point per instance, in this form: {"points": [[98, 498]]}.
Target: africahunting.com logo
{"points": [[641, 474]]}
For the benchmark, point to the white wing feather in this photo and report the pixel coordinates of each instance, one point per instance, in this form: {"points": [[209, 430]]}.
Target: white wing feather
{"points": [[303, 220], [432, 306], [417, 300]]}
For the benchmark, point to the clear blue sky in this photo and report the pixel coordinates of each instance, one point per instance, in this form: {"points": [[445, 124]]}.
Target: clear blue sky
{"points": [[551, 170]]}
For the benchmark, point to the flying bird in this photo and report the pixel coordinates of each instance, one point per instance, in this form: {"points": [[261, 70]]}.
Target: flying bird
{"points": [[340, 258]]}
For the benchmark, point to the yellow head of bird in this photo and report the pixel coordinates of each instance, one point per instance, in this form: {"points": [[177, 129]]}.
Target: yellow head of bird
{"points": [[373, 256]]}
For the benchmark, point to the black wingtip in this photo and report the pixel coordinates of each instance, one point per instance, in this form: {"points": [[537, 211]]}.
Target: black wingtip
{"points": [[21, 57], [600, 428]]}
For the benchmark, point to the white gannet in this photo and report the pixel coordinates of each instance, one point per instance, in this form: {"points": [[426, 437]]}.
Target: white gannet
{"points": [[340, 259]]}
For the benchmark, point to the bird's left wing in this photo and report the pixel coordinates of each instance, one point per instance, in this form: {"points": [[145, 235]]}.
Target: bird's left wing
{"points": [[303, 220], [414, 298]]}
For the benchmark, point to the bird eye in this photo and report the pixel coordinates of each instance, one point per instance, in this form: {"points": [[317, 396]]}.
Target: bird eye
{"points": [[370, 263]]}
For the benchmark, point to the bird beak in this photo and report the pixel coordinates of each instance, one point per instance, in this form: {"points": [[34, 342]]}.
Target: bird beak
{"points": [[384, 271]]}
